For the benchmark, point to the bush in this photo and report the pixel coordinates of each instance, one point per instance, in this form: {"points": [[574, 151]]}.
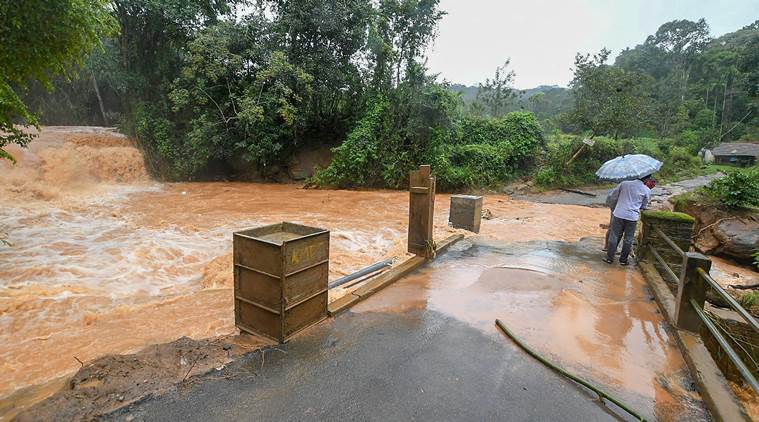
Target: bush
{"points": [[739, 189], [750, 300], [554, 170], [469, 152], [355, 162], [690, 140], [487, 151], [680, 158]]}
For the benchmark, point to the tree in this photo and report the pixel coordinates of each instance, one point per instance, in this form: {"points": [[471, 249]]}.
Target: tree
{"points": [[153, 36], [399, 33], [236, 99], [495, 95], [34, 47], [608, 100], [325, 38]]}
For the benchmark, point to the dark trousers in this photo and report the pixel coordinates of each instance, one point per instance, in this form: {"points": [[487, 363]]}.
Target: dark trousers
{"points": [[618, 228]]}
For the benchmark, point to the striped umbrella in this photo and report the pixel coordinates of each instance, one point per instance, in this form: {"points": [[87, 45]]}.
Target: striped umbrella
{"points": [[628, 167]]}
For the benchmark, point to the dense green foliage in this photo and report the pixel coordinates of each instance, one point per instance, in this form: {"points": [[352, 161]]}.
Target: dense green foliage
{"points": [[34, 47], [739, 189], [465, 152], [607, 100], [689, 84], [680, 82], [553, 170], [212, 92]]}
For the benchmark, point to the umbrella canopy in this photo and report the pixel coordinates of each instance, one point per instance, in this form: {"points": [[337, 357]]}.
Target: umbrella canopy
{"points": [[628, 167]]}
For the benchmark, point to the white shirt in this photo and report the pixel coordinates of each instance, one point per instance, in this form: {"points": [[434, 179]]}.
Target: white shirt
{"points": [[631, 196]]}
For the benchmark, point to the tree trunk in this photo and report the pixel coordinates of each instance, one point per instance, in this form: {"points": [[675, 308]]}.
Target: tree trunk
{"points": [[724, 115], [100, 99]]}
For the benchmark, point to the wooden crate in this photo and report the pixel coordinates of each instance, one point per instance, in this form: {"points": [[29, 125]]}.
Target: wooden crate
{"points": [[281, 273]]}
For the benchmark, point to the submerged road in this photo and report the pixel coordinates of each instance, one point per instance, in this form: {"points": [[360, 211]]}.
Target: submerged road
{"points": [[426, 348]]}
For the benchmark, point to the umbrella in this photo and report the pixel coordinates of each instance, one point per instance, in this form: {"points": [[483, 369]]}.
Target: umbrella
{"points": [[628, 167]]}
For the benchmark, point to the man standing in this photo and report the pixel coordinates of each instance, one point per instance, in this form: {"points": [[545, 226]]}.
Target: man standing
{"points": [[631, 196]]}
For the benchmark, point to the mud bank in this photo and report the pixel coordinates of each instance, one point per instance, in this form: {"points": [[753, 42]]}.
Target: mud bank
{"points": [[106, 261], [112, 382]]}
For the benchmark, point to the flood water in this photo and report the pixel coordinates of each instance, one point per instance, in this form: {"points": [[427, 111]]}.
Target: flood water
{"points": [[103, 260], [597, 321]]}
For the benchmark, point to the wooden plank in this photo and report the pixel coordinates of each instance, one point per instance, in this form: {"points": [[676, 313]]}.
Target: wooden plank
{"points": [[448, 242], [577, 191], [390, 276], [379, 282], [342, 304], [421, 210]]}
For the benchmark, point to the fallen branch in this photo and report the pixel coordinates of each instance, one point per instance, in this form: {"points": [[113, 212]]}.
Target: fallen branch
{"points": [[695, 236], [744, 287], [80, 362], [578, 192], [189, 370]]}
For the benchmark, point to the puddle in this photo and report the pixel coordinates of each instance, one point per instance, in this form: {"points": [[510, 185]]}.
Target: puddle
{"points": [[596, 320]]}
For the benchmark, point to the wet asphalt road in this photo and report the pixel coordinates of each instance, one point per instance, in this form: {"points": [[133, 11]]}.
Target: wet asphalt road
{"points": [[417, 364]]}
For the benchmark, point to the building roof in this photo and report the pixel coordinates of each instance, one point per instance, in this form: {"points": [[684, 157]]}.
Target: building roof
{"points": [[736, 148]]}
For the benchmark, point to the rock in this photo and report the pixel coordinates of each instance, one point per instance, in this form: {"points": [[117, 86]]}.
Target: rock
{"points": [[739, 238]]}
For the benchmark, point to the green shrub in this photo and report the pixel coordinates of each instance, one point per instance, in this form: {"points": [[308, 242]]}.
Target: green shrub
{"points": [[555, 171], [749, 300], [464, 153], [355, 162], [690, 140], [488, 151], [546, 176], [680, 158], [739, 189], [648, 146]]}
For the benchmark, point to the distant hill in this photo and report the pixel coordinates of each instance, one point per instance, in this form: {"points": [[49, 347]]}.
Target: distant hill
{"points": [[469, 93], [553, 101]]}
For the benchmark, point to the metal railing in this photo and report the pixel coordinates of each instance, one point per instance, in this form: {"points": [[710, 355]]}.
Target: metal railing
{"points": [[699, 278], [674, 278]]}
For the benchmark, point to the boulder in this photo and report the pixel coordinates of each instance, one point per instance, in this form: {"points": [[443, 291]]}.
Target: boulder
{"points": [[738, 238]]}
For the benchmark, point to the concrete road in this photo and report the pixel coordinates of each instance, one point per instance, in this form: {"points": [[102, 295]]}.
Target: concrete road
{"points": [[417, 365], [404, 363]]}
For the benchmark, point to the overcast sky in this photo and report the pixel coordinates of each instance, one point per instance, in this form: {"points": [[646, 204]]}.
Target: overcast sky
{"points": [[542, 36]]}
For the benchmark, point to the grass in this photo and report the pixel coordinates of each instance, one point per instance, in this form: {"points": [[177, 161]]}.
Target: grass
{"points": [[749, 300], [669, 215]]}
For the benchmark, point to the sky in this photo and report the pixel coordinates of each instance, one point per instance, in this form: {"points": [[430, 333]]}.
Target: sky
{"points": [[542, 36]]}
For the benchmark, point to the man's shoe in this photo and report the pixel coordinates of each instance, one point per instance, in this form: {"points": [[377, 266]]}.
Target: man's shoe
{"points": [[624, 263], [608, 261]]}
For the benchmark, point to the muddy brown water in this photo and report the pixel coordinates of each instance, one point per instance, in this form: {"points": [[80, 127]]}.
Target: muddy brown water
{"points": [[595, 320], [105, 261]]}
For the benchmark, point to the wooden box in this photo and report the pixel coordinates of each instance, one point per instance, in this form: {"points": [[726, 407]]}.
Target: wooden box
{"points": [[281, 273]]}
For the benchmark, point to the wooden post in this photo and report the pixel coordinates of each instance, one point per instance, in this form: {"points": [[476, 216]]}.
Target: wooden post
{"points": [[421, 212], [692, 286]]}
